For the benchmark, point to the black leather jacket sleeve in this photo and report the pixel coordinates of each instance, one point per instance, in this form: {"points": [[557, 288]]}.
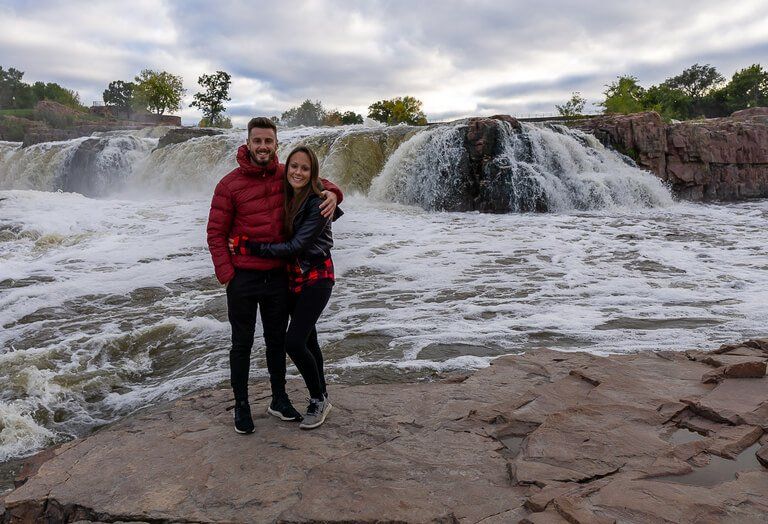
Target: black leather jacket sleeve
{"points": [[304, 236]]}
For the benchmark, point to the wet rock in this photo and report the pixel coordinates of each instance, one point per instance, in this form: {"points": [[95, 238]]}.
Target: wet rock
{"points": [[179, 135], [762, 455], [540, 437]]}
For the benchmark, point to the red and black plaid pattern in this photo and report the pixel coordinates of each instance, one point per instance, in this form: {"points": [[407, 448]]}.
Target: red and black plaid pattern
{"points": [[297, 279], [240, 245]]}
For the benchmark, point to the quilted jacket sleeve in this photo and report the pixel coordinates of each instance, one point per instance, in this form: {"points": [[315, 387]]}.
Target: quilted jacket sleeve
{"points": [[219, 225], [330, 186]]}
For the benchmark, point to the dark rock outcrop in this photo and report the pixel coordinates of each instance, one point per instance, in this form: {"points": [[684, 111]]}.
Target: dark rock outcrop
{"points": [[179, 135], [713, 159], [541, 437]]}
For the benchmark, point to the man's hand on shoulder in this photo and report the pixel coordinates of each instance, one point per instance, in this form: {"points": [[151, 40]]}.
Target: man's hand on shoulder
{"points": [[328, 205]]}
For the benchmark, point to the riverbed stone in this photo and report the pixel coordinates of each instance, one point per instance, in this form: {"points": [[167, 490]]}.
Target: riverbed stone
{"points": [[540, 437]]}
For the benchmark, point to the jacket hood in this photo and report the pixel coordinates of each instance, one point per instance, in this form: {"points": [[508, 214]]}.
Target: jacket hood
{"points": [[250, 169]]}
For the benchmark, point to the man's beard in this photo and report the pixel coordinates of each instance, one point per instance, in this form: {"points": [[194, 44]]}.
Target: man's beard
{"points": [[262, 163]]}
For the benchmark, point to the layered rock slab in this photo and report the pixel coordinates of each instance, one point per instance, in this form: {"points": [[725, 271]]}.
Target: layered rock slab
{"points": [[710, 159], [541, 437]]}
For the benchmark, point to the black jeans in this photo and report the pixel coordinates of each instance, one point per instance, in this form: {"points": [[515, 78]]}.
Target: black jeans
{"points": [[301, 340], [246, 292]]}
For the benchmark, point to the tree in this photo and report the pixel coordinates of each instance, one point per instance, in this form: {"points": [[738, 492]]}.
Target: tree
{"points": [[56, 93], [669, 102], [119, 94], [747, 88], [158, 92], [307, 114], [14, 94], [696, 81], [222, 121], [572, 107], [350, 117], [337, 118], [398, 110], [623, 96], [211, 101]]}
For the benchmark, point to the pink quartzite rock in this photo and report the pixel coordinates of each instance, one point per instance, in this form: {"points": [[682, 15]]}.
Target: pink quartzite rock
{"points": [[713, 159], [544, 437]]}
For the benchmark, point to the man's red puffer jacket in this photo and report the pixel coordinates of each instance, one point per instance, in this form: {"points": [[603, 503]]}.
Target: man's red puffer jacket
{"points": [[248, 201]]}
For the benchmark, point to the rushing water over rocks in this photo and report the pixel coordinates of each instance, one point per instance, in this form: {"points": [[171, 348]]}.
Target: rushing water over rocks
{"points": [[109, 304]]}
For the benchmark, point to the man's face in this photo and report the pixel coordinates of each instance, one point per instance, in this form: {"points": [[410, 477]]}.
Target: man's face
{"points": [[262, 143]]}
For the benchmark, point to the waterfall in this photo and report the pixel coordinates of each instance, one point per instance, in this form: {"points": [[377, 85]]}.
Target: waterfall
{"points": [[94, 166], [535, 168], [526, 168]]}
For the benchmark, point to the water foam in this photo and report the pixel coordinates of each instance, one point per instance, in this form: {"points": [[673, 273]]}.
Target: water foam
{"points": [[544, 168]]}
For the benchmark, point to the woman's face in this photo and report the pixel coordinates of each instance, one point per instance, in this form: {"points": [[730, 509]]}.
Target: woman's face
{"points": [[298, 170]]}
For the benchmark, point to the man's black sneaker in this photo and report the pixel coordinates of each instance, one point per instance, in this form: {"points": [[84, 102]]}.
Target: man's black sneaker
{"points": [[243, 420], [281, 408]]}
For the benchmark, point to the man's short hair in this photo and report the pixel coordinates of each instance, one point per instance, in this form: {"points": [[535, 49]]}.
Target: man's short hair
{"points": [[263, 123]]}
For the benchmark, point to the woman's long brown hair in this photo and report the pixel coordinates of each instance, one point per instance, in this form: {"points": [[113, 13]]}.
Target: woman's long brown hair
{"points": [[294, 200]]}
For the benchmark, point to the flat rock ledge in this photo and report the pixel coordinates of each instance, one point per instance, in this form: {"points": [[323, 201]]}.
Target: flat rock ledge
{"points": [[545, 437]]}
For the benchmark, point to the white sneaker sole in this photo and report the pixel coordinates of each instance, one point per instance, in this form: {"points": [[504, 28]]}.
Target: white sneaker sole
{"points": [[280, 415], [327, 410], [243, 432]]}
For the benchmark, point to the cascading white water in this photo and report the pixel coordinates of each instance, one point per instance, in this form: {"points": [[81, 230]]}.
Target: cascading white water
{"points": [[570, 170], [109, 304], [93, 166], [424, 170], [540, 168]]}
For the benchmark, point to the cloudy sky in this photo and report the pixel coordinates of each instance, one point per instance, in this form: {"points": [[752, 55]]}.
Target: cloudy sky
{"points": [[459, 57]]}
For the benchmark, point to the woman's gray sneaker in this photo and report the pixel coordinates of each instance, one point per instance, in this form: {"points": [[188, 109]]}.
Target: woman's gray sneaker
{"points": [[317, 411]]}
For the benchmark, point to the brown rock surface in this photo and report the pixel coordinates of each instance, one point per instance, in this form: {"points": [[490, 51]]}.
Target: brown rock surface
{"points": [[713, 159], [541, 437]]}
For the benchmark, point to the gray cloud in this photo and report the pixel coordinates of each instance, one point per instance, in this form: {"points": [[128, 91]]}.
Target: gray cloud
{"points": [[458, 57]]}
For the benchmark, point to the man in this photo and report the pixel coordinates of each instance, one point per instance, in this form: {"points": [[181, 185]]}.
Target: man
{"points": [[250, 201]]}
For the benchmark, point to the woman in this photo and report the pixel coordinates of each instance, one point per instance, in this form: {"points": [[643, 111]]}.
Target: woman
{"points": [[311, 276]]}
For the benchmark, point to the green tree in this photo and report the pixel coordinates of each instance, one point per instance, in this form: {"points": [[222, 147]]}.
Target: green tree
{"points": [[696, 81], [307, 114], [56, 93], [398, 110], [623, 96], [158, 91], [211, 101], [119, 95], [350, 117], [223, 122], [572, 107], [337, 118], [747, 88], [668, 101], [15, 94]]}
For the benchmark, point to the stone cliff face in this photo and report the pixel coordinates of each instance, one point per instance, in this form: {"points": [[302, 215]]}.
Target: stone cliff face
{"points": [[714, 159]]}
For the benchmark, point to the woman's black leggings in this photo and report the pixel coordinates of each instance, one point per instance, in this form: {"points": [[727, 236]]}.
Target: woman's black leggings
{"points": [[301, 339]]}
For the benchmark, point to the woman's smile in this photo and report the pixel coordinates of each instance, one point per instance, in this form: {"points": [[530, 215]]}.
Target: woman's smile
{"points": [[299, 170]]}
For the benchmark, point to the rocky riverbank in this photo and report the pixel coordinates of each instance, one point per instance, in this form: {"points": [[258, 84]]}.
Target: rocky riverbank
{"points": [[541, 437], [711, 159]]}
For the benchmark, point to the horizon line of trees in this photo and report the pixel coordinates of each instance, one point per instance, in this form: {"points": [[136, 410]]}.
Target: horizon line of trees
{"points": [[700, 91], [17, 94]]}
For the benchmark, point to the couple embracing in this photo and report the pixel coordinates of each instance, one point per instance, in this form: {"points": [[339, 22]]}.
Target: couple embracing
{"points": [[269, 234]]}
